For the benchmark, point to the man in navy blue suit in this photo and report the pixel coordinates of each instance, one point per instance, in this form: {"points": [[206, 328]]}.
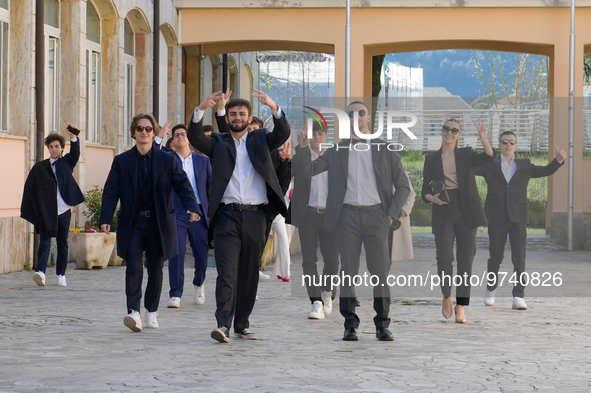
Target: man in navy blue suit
{"points": [[50, 192], [198, 170], [143, 178]]}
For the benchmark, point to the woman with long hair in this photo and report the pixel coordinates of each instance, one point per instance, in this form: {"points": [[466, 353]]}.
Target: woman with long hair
{"points": [[449, 183]]}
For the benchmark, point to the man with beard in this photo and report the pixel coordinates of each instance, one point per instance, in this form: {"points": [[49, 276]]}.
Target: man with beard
{"points": [[244, 191]]}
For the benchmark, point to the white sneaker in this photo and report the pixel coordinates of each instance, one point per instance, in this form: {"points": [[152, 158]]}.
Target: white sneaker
{"points": [[133, 321], [489, 297], [263, 276], [519, 303], [61, 281], [317, 310], [327, 300], [151, 321], [174, 302], [199, 297], [39, 278]]}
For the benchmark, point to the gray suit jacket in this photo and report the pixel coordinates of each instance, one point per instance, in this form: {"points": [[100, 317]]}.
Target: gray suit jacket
{"points": [[388, 169]]}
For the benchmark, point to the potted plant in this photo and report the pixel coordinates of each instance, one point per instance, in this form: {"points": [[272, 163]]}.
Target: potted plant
{"points": [[90, 246]]}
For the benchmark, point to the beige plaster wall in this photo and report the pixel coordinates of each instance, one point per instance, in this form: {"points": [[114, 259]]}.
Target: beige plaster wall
{"points": [[12, 153], [100, 160]]}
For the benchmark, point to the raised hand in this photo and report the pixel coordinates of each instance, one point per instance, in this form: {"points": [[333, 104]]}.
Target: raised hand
{"points": [[285, 154], [480, 128], [560, 154], [224, 99], [165, 130], [210, 101], [303, 138], [265, 99], [71, 126]]}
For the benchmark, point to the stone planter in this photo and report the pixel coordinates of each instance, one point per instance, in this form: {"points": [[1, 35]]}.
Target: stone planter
{"points": [[91, 249]]}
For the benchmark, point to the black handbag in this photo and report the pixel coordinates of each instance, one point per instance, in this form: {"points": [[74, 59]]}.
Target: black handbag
{"points": [[438, 187]]}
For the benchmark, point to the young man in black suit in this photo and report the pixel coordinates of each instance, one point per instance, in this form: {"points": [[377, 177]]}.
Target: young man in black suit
{"points": [[50, 192], [506, 210], [362, 206], [244, 191], [308, 206], [143, 178]]}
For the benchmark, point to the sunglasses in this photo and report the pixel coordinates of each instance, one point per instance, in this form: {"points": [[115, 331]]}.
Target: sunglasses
{"points": [[361, 113], [178, 135], [148, 129], [446, 129], [508, 142]]}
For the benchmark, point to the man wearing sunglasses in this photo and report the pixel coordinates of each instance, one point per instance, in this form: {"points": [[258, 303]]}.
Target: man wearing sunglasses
{"points": [[362, 206], [143, 179], [506, 210]]}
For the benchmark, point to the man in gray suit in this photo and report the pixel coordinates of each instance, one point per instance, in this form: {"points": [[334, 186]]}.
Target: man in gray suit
{"points": [[362, 206]]}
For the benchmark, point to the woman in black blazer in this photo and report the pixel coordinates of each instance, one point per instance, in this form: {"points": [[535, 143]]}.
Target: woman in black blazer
{"points": [[460, 215]]}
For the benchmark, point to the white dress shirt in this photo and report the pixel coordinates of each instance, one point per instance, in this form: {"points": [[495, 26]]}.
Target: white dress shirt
{"points": [[62, 206], [246, 186], [190, 171], [362, 186], [508, 167], [318, 186]]}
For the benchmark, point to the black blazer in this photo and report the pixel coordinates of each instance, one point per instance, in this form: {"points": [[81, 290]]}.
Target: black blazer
{"points": [[122, 185], [510, 200], [298, 206], [39, 205], [467, 159], [222, 151], [388, 169], [282, 168]]}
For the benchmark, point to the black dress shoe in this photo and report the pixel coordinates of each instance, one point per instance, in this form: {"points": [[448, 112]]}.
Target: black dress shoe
{"points": [[350, 335], [383, 334]]}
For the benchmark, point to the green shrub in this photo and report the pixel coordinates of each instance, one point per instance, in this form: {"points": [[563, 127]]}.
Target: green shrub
{"points": [[93, 203]]}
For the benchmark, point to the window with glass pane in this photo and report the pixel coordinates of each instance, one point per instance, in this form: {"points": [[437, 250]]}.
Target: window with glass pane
{"points": [[129, 39], [52, 86], [52, 13], [93, 59], [129, 97], [4, 4], [93, 24], [4, 76]]}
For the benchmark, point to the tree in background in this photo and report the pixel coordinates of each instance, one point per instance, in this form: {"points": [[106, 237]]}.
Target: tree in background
{"points": [[518, 78]]}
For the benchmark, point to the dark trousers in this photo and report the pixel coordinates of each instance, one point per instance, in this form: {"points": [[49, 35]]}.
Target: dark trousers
{"points": [[197, 232], [456, 227], [145, 236], [497, 234], [371, 230], [63, 227], [311, 232], [239, 238]]}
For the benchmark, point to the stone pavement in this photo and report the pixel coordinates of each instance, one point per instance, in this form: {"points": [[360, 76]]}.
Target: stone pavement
{"points": [[72, 339]]}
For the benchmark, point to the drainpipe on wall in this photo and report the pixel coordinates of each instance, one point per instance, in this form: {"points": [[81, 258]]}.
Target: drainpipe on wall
{"points": [[571, 126], [156, 68], [348, 54], [39, 94], [224, 72]]}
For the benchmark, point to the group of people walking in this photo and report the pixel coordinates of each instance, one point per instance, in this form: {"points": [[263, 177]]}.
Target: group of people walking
{"points": [[344, 198]]}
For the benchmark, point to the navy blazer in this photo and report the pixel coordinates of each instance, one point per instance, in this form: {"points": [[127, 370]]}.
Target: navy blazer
{"points": [[122, 185], [222, 151], [509, 200], [39, 205], [202, 170], [467, 159]]}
